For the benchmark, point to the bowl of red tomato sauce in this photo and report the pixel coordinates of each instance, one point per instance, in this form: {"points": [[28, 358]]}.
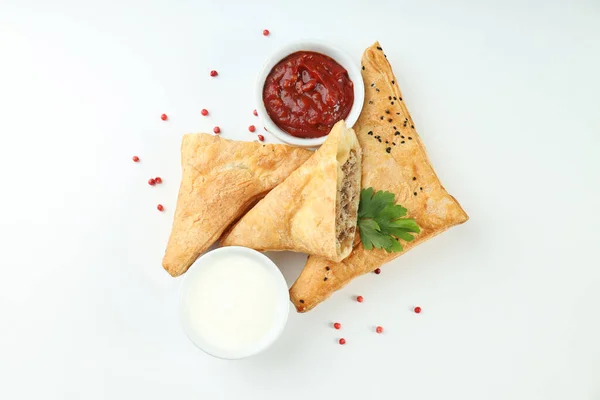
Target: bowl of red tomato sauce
{"points": [[306, 87]]}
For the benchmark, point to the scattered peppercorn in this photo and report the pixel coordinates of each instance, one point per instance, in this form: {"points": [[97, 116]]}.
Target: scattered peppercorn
{"points": [[266, 32], [158, 180], [160, 207], [217, 130], [261, 138], [359, 299], [342, 341], [377, 271], [379, 329], [255, 113], [135, 159], [213, 73], [418, 310], [337, 325], [163, 117], [252, 128], [151, 182]]}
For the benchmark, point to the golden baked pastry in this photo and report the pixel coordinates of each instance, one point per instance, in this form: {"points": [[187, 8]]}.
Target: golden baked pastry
{"points": [[394, 159], [221, 180], [314, 210]]}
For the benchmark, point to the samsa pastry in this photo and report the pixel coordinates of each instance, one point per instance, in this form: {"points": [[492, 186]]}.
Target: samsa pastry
{"points": [[314, 210], [394, 159], [221, 179]]}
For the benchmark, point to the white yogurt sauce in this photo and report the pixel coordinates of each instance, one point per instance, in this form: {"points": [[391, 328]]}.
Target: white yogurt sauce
{"points": [[234, 302]]}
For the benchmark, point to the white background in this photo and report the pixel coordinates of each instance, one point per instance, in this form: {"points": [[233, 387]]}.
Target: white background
{"points": [[506, 97]]}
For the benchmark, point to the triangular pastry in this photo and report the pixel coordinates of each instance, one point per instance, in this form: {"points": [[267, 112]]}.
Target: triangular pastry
{"points": [[314, 210], [394, 159], [221, 179]]}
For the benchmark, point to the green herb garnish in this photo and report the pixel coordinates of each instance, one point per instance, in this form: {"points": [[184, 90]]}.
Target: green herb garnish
{"points": [[380, 221]]}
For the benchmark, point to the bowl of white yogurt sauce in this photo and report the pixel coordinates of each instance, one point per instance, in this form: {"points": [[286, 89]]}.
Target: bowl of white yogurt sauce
{"points": [[234, 302]]}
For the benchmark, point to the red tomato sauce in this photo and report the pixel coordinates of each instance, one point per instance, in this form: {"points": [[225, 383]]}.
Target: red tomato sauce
{"points": [[306, 93]]}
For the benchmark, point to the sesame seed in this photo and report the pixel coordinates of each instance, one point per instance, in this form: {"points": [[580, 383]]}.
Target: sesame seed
{"points": [[387, 111], [370, 102], [412, 126], [402, 142], [420, 188], [363, 67], [372, 84], [302, 301], [388, 149], [415, 193], [327, 268], [390, 120], [370, 133], [396, 133], [325, 278], [381, 118], [392, 103], [409, 138], [395, 98], [393, 143], [379, 48], [389, 98], [393, 82], [400, 98], [414, 178], [377, 89]]}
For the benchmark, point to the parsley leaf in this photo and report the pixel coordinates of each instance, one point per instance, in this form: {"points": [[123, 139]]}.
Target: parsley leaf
{"points": [[381, 223]]}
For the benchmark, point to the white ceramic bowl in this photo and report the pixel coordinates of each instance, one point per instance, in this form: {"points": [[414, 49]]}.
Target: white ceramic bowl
{"points": [[281, 294], [320, 47]]}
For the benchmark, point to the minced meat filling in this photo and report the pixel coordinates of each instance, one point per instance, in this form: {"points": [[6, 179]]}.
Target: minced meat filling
{"points": [[347, 207]]}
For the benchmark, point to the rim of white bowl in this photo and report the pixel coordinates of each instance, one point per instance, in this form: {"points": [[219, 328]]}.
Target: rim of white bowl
{"points": [[283, 307], [320, 47]]}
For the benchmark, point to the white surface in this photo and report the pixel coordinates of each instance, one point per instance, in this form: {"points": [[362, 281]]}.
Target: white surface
{"points": [[506, 98], [234, 302], [345, 60]]}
